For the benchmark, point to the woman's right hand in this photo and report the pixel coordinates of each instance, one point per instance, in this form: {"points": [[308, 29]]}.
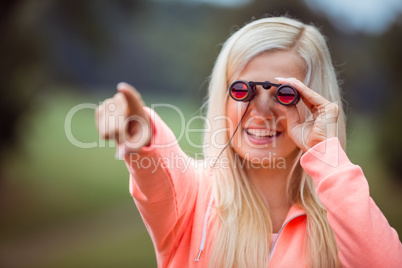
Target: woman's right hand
{"points": [[123, 118]]}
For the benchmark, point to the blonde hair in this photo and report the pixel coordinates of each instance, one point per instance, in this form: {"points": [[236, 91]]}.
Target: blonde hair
{"points": [[244, 226]]}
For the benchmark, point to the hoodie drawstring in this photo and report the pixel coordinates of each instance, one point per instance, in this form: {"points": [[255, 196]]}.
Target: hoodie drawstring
{"points": [[204, 229]]}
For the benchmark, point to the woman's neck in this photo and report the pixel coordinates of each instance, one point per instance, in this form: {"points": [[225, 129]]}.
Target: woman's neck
{"points": [[271, 183]]}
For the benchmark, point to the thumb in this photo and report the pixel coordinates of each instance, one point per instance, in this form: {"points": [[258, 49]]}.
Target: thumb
{"points": [[292, 115]]}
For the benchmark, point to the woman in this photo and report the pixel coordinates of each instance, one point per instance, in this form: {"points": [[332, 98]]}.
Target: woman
{"points": [[283, 192]]}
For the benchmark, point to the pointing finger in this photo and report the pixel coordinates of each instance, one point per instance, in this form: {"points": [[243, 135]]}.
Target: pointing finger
{"points": [[133, 97]]}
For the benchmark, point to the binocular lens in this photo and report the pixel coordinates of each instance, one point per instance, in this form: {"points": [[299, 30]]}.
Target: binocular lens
{"points": [[286, 95], [239, 91]]}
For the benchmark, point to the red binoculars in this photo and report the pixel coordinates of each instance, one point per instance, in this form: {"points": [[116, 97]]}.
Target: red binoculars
{"points": [[245, 91]]}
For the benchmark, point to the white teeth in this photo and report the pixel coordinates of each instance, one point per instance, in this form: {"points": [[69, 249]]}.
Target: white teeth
{"points": [[262, 133]]}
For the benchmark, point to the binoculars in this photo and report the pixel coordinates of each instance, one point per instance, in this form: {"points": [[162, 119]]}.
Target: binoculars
{"points": [[245, 91]]}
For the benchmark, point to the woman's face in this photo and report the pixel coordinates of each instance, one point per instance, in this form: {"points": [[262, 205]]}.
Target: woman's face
{"points": [[263, 136]]}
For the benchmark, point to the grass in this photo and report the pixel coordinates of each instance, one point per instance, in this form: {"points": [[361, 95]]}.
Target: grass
{"points": [[64, 206]]}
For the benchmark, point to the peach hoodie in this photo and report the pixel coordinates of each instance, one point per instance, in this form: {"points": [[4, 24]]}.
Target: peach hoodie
{"points": [[175, 204]]}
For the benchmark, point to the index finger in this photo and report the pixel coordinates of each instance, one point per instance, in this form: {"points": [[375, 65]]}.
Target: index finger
{"points": [[134, 101], [312, 99]]}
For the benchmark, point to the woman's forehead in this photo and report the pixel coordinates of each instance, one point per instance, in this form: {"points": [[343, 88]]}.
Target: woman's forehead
{"points": [[271, 64]]}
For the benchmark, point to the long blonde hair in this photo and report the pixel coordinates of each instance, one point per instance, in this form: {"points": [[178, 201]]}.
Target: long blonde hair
{"points": [[244, 226]]}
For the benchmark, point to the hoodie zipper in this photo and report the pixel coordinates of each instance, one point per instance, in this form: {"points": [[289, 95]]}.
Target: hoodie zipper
{"points": [[279, 233], [204, 231]]}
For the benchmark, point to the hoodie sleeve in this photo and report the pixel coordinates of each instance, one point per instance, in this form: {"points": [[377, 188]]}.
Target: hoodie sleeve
{"points": [[363, 234], [164, 186]]}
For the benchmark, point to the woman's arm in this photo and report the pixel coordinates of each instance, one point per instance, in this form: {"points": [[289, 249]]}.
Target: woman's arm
{"points": [[162, 176], [363, 235], [164, 186]]}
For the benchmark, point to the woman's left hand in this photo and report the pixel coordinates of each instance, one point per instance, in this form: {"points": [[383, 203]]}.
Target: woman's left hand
{"points": [[322, 125]]}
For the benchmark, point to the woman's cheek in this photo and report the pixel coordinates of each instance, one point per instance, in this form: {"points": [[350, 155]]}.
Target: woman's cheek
{"points": [[233, 112]]}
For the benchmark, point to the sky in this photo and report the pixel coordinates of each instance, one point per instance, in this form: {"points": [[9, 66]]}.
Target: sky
{"points": [[223, 3], [368, 16], [350, 16]]}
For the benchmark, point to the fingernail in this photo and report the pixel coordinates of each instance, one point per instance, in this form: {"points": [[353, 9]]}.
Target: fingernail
{"points": [[121, 85], [279, 78]]}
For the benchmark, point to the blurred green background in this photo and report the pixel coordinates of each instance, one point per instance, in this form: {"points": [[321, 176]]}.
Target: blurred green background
{"points": [[65, 206]]}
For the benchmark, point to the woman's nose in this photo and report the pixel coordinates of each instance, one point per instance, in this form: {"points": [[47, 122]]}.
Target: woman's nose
{"points": [[263, 104]]}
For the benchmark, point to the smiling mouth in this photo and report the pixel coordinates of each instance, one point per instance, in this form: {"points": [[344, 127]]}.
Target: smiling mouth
{"points": [[262, 133]]}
